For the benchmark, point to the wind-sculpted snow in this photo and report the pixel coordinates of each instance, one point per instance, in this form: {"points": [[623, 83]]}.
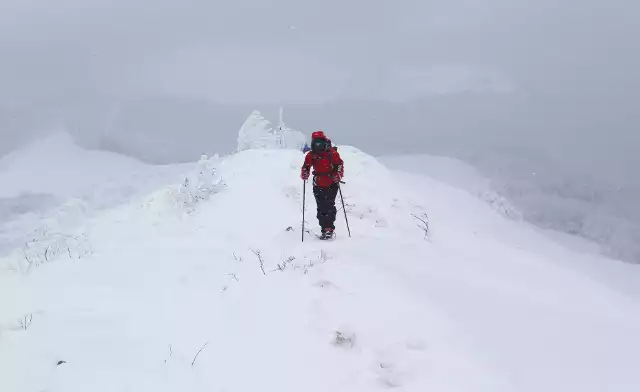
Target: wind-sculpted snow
{"points": [[209, 288]]}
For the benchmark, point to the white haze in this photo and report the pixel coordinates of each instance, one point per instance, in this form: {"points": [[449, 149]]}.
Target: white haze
{"points": [[540, 95]]}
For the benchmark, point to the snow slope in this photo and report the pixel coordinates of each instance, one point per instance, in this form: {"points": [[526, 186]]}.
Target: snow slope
{"points": [[54, 178], [461, 175], [453, 172], [217, 293]]}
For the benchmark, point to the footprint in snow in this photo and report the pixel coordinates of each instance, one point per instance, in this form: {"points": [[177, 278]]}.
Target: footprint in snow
{"points": [[387, 376], [325, 284], [381, 223], [400, 363]]}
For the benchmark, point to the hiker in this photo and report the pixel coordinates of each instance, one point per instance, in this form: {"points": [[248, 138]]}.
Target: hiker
{"points": [[328, 169]]}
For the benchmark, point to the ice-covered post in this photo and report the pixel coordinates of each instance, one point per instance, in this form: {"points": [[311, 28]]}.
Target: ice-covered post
{"points": [[281, 127]]}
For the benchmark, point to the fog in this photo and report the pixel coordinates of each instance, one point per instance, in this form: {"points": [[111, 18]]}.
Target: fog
{"points": [[540, 95]]}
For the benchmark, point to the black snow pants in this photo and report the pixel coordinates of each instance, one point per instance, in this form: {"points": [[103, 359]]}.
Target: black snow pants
{"points": [[326, 202]]}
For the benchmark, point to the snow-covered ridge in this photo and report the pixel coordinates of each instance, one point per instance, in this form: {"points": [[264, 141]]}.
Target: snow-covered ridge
{"points": [[201, 282]]}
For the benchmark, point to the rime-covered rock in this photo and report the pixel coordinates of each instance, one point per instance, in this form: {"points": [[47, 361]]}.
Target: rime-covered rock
{"points": [[258, 133]]}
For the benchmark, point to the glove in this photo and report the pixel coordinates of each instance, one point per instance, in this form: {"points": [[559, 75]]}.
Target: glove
{"points": [[337, 177], [304, 174]]}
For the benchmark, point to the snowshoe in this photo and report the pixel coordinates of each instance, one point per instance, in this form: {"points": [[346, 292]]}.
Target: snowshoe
{"points": [[327, 234]]}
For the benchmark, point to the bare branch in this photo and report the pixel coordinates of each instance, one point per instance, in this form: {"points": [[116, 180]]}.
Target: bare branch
{"points": [[68, 249], [26, 321], [198, 353], [285, 263], [260, 259], [26, 257], [424, 219]]}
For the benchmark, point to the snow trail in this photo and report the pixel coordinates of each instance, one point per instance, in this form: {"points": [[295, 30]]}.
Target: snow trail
{"points": [[221, 295]]}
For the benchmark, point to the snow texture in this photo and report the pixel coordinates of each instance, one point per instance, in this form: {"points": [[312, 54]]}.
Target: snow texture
{"points": [[435, 291]]}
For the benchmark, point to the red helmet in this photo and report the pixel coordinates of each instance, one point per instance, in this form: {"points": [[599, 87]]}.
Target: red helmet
{"points": [[318, 135]]}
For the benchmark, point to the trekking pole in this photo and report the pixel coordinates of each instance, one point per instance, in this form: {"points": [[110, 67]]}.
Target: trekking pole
{"points": [[343, 209], [304, 194]]}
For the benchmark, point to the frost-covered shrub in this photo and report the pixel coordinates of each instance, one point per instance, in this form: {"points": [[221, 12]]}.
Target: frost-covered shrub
{"points": [[50, 246], [44, 238], [47, 246], [200, 184]]}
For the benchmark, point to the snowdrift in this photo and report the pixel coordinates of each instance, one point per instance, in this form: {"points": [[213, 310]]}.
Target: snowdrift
{"points": [[203, 285]]}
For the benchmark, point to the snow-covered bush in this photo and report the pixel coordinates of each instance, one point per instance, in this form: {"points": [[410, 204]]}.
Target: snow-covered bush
{"points": [[49, 246], [200, 184], [259, 133], [47, 237], [46, 246]]}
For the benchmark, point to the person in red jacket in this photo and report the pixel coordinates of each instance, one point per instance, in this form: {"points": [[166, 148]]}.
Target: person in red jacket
{"points": [[328, 169]]}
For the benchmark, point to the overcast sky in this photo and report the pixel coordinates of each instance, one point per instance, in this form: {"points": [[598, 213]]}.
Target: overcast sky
{"points": [[293, 50], [560, 83], [573, 62]]}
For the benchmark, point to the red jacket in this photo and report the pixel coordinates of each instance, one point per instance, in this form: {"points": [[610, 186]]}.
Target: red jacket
{"points": [[328, 167]]}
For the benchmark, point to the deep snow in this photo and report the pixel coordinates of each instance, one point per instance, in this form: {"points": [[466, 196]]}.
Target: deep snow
{"points": [[175, 293]]}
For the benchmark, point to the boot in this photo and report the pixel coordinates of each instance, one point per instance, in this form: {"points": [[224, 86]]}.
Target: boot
{"points": [[327, 233]]}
